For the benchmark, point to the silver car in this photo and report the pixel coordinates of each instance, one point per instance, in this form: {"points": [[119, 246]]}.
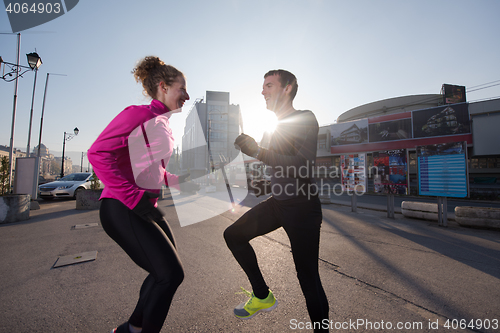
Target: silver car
{"points": [[66, 187]]}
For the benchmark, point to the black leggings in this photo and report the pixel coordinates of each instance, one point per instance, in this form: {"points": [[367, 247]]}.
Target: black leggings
{"points": [[301, 220], [152, 247]]}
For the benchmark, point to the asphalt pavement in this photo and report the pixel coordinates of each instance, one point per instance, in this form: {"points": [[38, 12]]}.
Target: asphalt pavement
{"points": [[380, 275]]}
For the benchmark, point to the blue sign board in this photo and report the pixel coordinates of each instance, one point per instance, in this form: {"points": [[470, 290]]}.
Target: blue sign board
{"points": [[442, 170]]}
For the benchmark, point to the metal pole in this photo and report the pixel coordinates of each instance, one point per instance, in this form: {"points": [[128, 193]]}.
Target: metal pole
{"points": [[440, 212], [62, 163], [208, 149], [445, 212], [11, 149], [31, 115], [36, 172], [390, 208], [388, 205], [390, 202], [43, 110], [81, 163], [40, 140], [224, 175], [392, 205]]}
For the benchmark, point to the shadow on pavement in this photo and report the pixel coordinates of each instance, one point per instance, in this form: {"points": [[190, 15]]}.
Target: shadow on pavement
{"points": [[50, 210]]}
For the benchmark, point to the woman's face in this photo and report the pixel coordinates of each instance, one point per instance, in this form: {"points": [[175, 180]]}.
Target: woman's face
{"points": [[175, 95]]}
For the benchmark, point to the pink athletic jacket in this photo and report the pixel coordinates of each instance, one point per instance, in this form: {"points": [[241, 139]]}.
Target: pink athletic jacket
{"points": [[131, 154]]}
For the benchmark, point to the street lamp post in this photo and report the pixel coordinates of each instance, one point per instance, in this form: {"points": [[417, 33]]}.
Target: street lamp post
{"points": [[11, 148], [34, 61], [37, 167], [14, 74], [67, 137], [81, 163], [210, 160]]}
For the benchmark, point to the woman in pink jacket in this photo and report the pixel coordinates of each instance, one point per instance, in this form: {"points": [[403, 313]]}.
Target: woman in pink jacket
{"points": [[129, 157]]}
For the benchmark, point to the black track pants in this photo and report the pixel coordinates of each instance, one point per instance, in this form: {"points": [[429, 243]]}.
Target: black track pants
{"points": [[301, 220], [152, 247]]}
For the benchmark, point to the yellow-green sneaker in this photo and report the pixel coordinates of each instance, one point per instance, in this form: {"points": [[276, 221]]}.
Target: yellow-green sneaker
{"points": [[254, 305]]}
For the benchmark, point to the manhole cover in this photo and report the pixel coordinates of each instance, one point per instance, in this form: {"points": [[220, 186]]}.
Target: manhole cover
{"points": [[75, 259], [83, 226]]}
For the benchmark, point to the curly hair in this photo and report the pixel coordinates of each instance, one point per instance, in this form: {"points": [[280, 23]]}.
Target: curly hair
{"points": [[151, 70]]}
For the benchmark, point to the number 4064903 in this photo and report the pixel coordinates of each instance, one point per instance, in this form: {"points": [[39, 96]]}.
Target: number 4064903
{"points": [[36, 8]]}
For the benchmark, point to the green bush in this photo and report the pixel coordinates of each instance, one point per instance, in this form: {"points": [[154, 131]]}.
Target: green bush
{"points": [[4, 175], [95, 184]]}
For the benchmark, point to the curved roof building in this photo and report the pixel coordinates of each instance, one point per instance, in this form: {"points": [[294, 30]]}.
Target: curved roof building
{"points": [[391, 106]]}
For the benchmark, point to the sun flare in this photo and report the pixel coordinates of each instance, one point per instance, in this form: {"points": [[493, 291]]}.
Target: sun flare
{"points": [[270, 123], [256, 124]]}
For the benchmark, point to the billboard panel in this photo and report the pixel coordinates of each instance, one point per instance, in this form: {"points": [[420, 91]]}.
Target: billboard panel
{"points": [[485, 134], [440, 121], [390, 130], [442, 170], [352, 132], [453, 94], [391, 171], [353, 171]]}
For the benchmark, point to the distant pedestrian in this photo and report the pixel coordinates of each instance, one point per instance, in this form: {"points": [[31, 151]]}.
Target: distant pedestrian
{"points": [[293, 205], [129, 157]]}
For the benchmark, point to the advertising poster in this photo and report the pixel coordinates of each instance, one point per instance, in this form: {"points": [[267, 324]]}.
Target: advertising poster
{"points": [[442, 170], [353, 167], [453, 94], [390, 130], [390, 172], [349, 132], [443, 120]]}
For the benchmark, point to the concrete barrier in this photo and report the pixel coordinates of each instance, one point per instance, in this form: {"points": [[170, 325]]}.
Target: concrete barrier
{"points": [[88, 199], [486, 217], [14, 207], [324, 198], [420, 210]]}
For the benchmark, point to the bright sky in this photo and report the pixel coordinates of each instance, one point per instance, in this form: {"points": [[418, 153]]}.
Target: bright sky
{"points": [[344, 54]]}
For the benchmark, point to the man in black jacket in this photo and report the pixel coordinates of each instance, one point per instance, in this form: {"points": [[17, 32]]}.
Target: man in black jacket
{"points": [[293, 204]]}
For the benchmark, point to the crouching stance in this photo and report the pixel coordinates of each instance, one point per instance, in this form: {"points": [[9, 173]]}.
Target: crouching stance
{"points": [[293, 205]]}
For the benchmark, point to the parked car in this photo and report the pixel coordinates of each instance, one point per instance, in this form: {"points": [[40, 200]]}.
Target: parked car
{"points": [[66, 187], [42, 180]]}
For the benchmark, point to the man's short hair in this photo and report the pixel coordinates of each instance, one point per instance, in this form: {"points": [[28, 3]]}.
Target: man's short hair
{"points": [[285, 78]]}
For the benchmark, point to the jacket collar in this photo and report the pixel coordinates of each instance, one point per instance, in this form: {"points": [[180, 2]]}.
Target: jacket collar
{"points": [[158, 107]]}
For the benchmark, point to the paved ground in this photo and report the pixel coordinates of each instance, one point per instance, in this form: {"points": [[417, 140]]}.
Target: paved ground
{"points": [[377, 272]]}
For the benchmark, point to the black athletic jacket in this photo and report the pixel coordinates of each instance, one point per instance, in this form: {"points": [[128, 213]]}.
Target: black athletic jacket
{"points": [[291, 154]]}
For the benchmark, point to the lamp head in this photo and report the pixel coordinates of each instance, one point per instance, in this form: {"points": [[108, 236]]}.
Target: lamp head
{"points": [[76, 130], [34, 60]]}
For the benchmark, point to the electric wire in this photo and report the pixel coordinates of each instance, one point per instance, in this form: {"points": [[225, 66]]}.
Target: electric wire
{"points": [[483, 84], [493, 85]]}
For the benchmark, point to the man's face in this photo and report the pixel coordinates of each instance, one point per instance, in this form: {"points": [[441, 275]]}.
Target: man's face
{"points": [[273, 92]]}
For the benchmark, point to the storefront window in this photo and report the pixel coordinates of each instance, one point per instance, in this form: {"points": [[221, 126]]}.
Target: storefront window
{"points": [[336, 161], [491, 162], [474, 163], [413, 162], [482, 163], [322, 141]]}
